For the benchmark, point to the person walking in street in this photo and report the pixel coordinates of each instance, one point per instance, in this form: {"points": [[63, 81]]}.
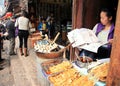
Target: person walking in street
{"points": [[2, 31], [24, 25], [1, 59], [10, 26]]}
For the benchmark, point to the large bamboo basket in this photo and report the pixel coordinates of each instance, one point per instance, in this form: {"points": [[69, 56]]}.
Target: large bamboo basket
{"points": [[51, 55]]}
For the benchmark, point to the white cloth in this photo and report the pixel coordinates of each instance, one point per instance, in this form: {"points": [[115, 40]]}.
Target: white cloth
{"points": [[85, 39], [81, 36]]}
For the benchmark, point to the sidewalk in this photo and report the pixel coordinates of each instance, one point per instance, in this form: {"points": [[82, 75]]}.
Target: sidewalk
{"points": [[23, 69]]}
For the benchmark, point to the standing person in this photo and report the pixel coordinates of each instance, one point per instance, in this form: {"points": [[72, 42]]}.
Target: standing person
{"points": [[2, 31], [51, 16], [1, 60], [104, 31], [10, 25], [43, 27], [24, 26], [52, 29]]}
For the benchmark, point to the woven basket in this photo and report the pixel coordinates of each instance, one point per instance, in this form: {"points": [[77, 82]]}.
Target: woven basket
{"points": [[51, 55]]}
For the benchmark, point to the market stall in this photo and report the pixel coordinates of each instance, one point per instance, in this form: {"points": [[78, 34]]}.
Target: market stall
{"points": [[113, 77], [46, 50], [86, 10], [55, 70]]}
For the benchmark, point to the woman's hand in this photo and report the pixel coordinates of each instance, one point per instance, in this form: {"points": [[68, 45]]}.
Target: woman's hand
{"points": [[110, 41]]}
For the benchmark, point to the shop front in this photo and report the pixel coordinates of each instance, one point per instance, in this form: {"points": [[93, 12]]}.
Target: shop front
{"points": [[85, 15]]}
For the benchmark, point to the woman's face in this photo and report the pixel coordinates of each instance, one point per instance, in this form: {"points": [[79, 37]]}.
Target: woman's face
{"points": [[104, 18]]}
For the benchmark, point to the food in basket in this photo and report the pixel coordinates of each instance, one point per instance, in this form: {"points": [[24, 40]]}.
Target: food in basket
{"points": [[82, 81], [70, 80], [45, 65], [100, 71], [71, 77], [44, 46], [60, 67], [60, 78]]}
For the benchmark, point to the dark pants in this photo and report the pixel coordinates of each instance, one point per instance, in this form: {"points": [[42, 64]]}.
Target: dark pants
{"points": [[23, 38], [1, 43], [103, 52]]}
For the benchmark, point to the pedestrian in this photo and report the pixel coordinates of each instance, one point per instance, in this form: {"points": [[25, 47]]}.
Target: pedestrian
{"points": [[51, 16], [24, 25], [52, 29], [43, 27], [1, 60], [10, 26], [2, 31]]}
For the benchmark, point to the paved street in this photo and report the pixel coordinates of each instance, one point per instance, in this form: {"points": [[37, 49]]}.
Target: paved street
{"points": [[22, 72]]}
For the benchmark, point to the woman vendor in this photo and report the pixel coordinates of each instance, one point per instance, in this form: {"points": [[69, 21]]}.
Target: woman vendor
{"points": [[104, 31]]}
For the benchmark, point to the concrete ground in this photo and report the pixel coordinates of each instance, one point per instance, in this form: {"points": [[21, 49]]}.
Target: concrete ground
{"points": [[21, 71]]}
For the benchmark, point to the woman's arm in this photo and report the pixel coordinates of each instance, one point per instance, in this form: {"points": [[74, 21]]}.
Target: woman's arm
{"points": [[30, 25], [16, 23]]}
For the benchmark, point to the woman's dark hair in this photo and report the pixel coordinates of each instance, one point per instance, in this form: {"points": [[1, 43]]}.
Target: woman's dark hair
{"points": [[24, 13], [110, 13]]}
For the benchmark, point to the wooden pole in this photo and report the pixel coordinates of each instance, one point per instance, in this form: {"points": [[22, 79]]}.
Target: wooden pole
{"points": [[73, 13], [113, 78], [77, 11], [77, 21]]}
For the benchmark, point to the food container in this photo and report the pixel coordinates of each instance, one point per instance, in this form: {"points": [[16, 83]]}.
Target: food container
{"points": [[50, 55], [55, 66], [44, 49], [70, 77], [64, 78], [100, 71]]}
